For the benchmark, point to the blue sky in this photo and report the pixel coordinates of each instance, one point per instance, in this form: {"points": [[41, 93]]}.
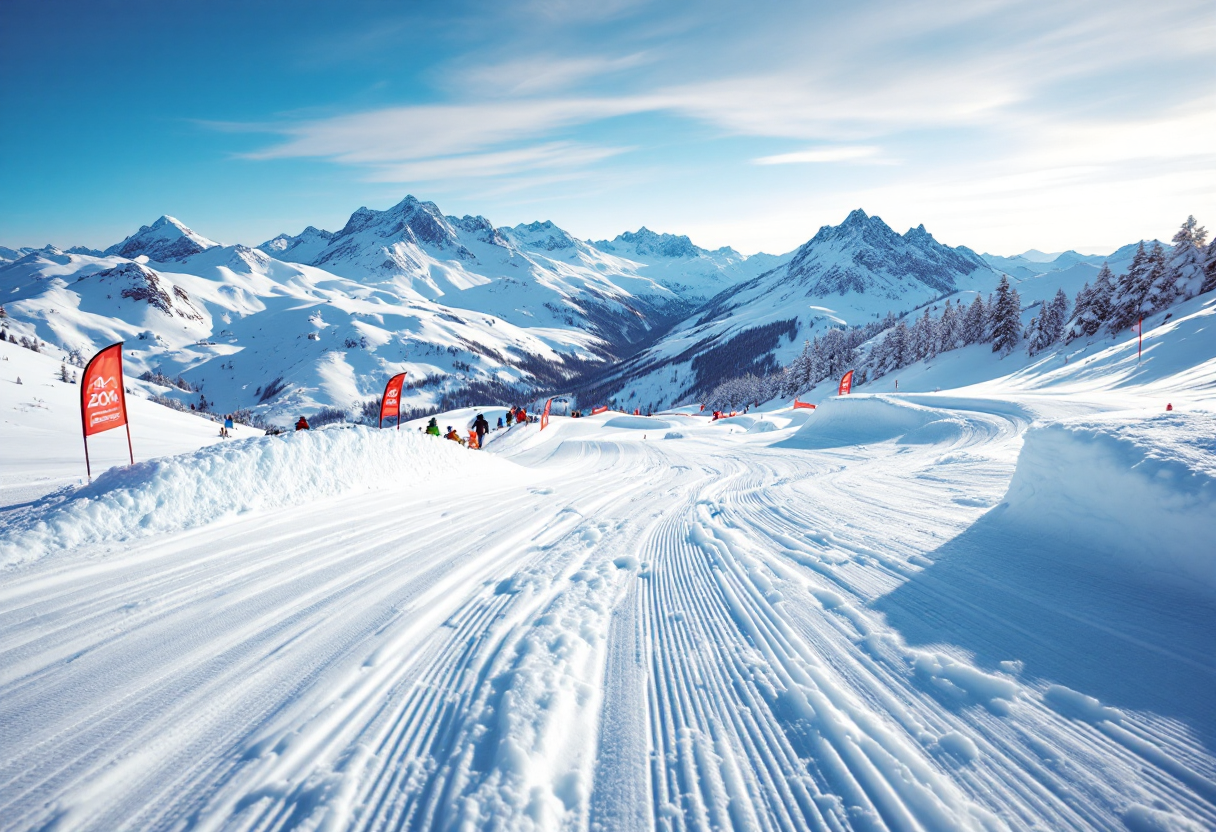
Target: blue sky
{"points": [[999, 125]]}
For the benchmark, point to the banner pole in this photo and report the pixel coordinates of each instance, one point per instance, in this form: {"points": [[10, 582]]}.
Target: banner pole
{"points": [[87, 468], [130, 451]]}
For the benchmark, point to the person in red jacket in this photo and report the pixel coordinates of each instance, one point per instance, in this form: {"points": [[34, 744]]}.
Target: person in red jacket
{"points": [[302, 424], [521, 416]]}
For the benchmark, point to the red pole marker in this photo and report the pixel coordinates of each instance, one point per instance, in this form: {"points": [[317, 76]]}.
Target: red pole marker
{"points": [[390, 405], [103, 400], [544, 416]]}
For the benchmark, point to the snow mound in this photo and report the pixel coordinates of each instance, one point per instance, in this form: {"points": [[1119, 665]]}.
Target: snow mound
{"points": [[1140, 491], [937, 432], [637, 423], [762, 426], [863, 420], [181, 492]]}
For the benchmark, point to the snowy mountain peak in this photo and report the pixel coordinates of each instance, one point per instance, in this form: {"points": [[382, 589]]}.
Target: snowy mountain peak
{"points": [[411, 222], [164, 240], [863, 254], [646, 242], [544, 236]]}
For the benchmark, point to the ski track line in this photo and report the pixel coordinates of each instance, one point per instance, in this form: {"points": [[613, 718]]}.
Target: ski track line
{"points": [[671, 635]]}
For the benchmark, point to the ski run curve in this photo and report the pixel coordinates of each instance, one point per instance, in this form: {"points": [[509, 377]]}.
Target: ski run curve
{"points": [[690, 627]]}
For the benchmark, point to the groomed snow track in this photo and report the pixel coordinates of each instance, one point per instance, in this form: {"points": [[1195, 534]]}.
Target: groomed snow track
{"points": [[628, 633]]}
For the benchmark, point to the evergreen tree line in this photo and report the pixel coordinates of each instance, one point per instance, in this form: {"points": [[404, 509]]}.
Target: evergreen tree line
{"points": [[1155, 280], [827, 355]]}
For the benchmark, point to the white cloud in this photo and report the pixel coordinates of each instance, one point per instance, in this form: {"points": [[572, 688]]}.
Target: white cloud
{"points": [[845, 153], [550, 155]]}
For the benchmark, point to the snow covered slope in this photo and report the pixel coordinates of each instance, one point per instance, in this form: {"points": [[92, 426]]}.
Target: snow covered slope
{"points": [[598, 627], [250, 331]]}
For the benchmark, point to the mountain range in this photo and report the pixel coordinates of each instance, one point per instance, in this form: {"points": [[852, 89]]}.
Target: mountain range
{"points": [[468, 309]]}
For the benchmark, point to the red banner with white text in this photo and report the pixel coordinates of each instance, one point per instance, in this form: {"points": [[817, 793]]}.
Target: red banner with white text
{"points": [[846, 384], [390, 405], [103, 402], [544, 416], [595, 411]]}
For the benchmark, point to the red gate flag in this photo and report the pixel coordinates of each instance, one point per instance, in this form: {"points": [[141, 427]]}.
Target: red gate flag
{"points": [[103, 401], [846, 384], [601, 409], [544, 416], [390, 405]]}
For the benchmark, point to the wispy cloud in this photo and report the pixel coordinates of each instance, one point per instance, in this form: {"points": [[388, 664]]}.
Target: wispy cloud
{"points": [[846, 153], [533, 74], [474, 165]]}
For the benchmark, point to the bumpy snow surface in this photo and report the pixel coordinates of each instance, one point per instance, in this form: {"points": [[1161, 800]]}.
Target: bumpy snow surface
{"points": [[928, 612]]}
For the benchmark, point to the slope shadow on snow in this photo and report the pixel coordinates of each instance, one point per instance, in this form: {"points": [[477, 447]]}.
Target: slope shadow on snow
{"points": [[1005, 594]]}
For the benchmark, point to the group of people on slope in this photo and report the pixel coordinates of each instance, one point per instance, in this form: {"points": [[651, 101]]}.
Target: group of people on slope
{"points": [[479, 428], [477, 432]]}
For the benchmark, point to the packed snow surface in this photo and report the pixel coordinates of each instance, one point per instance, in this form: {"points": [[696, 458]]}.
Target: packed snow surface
{"points": [[975, 609]]}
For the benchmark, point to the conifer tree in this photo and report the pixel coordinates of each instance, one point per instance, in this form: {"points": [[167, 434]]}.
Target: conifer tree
{"points": [[1057, 317], [1080, 312], [1130, 299], [974, 322], [1102, 298], [1186, 259], [921, 338], [899, 345], [1006, 318], [1209, 270], [1161, 291], [947, 329], [1034, 335]]}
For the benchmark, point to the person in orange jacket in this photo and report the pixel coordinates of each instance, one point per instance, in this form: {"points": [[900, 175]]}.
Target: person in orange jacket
{"points": [[302, 424]]}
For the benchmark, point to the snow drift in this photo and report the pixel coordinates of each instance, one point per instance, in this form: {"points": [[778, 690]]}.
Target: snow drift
{"points": [[194, 489], [636, 423], [863, 420], [1139, 490]]}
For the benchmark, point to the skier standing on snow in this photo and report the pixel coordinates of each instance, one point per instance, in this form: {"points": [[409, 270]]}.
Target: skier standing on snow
{"points": [[302, 424], [510, 415], [482, 427], [432, 427]]}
